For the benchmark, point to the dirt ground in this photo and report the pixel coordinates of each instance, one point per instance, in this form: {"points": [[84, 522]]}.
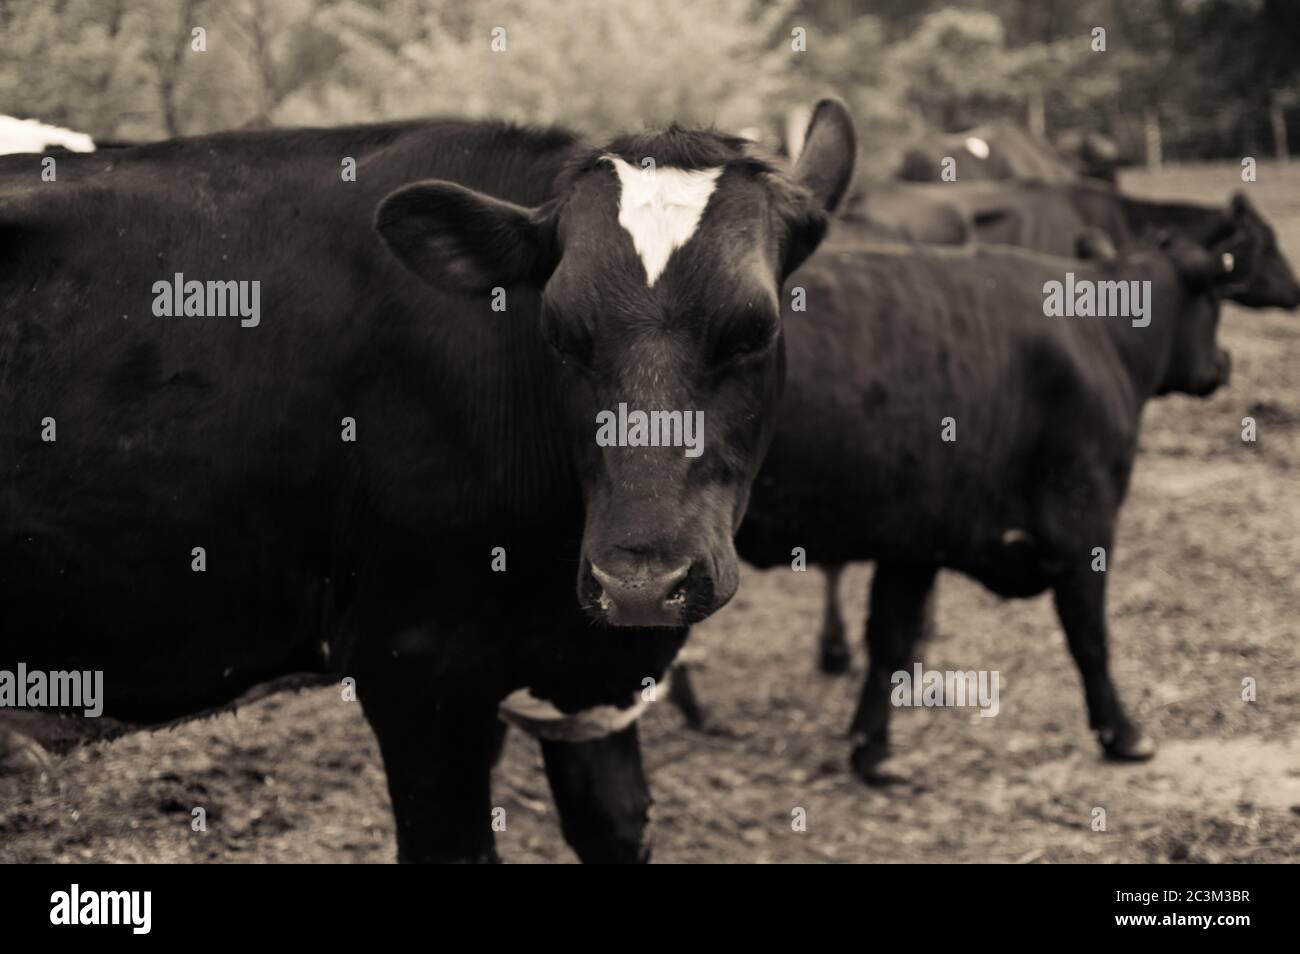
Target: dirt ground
{"points": [[1204, 593]]}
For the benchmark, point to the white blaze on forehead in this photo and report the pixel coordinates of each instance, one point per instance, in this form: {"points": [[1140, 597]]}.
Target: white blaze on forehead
{"points": [[661, 208], [977, 147]]}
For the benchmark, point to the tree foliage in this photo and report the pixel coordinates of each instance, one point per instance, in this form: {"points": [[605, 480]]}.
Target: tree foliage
{"points": [[1219, 75]]}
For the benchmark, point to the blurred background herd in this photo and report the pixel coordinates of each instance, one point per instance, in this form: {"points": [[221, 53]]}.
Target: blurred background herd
{"points": [[1177, 80]]}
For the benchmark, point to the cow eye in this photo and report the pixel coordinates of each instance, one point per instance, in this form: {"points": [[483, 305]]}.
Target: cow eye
{"points": [[744, 336]]}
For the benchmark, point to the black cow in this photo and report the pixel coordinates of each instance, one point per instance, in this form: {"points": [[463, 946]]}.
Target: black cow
{"points": [[1093, 155], [1027, 215], [906, 212], [995, 151], [1046, 412], [1061, 220], [1261, 275], [129, 440]]}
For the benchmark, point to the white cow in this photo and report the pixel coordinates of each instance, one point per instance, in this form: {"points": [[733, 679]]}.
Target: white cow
{"points": [[28, 135]]}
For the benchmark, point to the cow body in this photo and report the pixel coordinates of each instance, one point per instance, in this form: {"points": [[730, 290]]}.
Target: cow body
{"points": [[906, 212], [1046, 413], [1035, 216], [199, 433], [994, 151], [1073, 219], [950, 335]]}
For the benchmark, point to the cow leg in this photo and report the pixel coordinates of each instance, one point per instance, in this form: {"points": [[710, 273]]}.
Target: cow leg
{"points": [[601, 792], [896, 623], [681, 693], [499, 742], [1081, 606], [438, 760], [833, 657]]}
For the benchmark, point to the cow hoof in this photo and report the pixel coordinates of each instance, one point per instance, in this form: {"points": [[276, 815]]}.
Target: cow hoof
{"points": [[617, 852], [699, 719], [867, 760], [834, 660], [1127, 744], [710, 726]]}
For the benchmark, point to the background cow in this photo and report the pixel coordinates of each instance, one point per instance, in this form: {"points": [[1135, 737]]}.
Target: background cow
{"points": [[1073, 220], [1052, 218], [996, 151], [1046, 414]]}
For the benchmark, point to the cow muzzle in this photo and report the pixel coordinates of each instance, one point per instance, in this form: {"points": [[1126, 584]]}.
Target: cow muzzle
{"points": [[639, 594], [1216, 379]]}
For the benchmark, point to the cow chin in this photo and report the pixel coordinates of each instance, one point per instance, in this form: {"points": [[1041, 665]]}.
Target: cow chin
{"points": [[652, 586], [1211, 378], [1286, 296]]}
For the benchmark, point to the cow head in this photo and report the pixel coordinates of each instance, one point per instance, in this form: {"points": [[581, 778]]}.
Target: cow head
{"points": [[1261, 276], [661, 258], [1092, 154], [1196, 364]]}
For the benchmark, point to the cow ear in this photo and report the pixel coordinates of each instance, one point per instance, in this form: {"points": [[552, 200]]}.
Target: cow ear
{"points": [[462, 240], [805, 234], [1241, 206], [1245, 218], [825, 166]]}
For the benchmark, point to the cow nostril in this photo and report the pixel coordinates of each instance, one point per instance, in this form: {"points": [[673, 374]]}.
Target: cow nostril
{"points": [[642, 597], [677, 595], [675, 580]]}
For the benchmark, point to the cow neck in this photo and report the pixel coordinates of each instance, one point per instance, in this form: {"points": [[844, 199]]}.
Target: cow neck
{"points": [[1103, 207], [1200, 223], [1145, 352]]}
